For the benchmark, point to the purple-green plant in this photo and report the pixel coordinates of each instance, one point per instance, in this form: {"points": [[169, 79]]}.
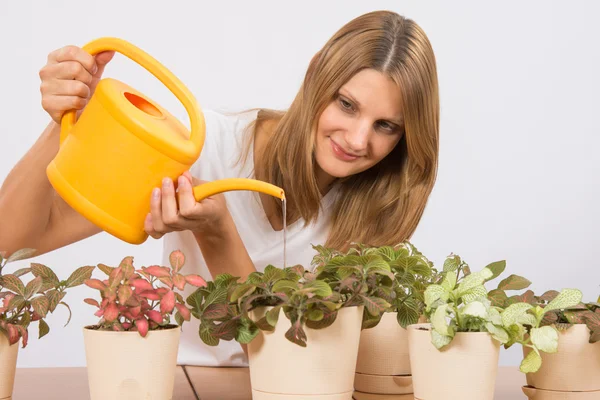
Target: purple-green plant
{"points": [[24, 303]]}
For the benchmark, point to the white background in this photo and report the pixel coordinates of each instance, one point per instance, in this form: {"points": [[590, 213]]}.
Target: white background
{"points": [[519, 82]]}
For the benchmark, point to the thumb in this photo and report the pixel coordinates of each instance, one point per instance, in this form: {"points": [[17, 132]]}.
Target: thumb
{"points": [[101, 60]]}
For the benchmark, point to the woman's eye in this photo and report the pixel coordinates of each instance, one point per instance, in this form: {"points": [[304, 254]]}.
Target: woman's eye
{"points": [[385, 126], [346, 104]]}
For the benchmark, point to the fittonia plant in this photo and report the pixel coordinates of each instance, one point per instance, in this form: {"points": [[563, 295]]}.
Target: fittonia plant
{"points": [[461, 304]]}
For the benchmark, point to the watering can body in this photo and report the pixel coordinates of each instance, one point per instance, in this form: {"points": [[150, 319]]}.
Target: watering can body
{"points": [[123, 144]]}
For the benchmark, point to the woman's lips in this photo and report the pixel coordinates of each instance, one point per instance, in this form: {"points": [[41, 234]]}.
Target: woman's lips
{"points": [[340, 153]]}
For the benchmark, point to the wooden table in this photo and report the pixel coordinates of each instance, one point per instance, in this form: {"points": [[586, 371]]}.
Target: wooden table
{"points": [[193, 383]]}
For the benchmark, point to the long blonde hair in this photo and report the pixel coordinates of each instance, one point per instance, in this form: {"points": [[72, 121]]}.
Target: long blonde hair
{"points": [[383, 204]]}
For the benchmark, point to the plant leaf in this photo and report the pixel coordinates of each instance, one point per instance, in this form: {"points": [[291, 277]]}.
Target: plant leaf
{"points": [[287, 286], [439, 321], [79, 276], [68, 308], [438, 340], [497, 268], [21, 254], [21, 272], [329, 318], [207, 337], [296, 334], [407, 314], [545, 339], [247, 331], [514, 282], [451, 263], [215, 311], [12, 283], [273, 315], [43, 328], [33, 287], [497, 333], [319, 288], [177, 260], [273, 274], [512, 313], [475, 309], [106, 269], [374, 305], [40, 305], [434, 293], [565, 299], [532, 362]]}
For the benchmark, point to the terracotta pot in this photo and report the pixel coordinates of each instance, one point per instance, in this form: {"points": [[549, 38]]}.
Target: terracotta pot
{"points": [[8, 366], [126, 366], [280, 369], [539, 394], [383, 365], [574, 368], [465, 369]]}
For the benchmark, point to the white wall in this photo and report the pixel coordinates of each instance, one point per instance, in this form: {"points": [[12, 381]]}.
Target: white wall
{"points": [[519, 81]]}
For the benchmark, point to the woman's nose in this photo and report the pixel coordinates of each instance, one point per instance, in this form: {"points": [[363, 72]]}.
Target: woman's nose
{"points": [[358, 137]]}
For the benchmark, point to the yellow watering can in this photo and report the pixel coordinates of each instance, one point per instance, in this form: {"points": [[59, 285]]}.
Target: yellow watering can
{"points": [[124, 143]]}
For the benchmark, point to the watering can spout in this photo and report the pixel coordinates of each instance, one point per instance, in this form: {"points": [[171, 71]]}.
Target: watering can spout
{"points": [[123, 144]]}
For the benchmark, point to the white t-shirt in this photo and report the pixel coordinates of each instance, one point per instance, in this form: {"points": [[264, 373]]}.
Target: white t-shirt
{"points": [[218, 160]]}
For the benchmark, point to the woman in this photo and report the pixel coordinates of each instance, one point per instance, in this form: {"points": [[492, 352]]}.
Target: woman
{"points": [[356, 154]]}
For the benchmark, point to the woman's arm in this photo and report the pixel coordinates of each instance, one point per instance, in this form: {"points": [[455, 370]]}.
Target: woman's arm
{"points": [[224, 251]]}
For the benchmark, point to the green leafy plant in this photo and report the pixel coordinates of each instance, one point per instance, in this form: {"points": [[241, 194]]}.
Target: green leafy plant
{"points": [[142, 299], [461, 303], [308, 298], [561, 318], [411, 271], [23, 303]]}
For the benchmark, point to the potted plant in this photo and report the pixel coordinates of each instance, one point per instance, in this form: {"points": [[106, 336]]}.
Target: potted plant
{"points": [[24, 303], [132, 351], [459, 349], [295, 319], [383, 365], [574, 369]]}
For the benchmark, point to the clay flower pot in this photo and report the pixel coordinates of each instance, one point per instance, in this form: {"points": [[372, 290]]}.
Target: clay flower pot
{"points": [[8, 366], [383, 365], [465, 369], [125, 365], [323, 370], [574, 368]]}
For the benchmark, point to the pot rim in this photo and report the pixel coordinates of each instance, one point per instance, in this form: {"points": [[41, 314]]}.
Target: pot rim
{"points": [[170, 328]]}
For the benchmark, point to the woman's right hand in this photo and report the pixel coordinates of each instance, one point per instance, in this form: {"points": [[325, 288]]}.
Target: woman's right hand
{"points": [[69, 79]]}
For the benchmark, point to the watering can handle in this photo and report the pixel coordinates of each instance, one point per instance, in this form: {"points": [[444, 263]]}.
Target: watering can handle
{"points": [[155, 68]]}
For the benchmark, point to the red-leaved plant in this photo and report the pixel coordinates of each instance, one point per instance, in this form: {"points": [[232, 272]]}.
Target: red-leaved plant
{"points": [[134, 299], [23, 303]]}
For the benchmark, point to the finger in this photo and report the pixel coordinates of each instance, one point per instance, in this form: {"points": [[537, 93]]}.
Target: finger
{"points": [[169, 204], [149, 228], [71, 70], [156, 211], [101, 60], [188, 207], [56, 105], [74, 53], [66, 70], [59, 87]]}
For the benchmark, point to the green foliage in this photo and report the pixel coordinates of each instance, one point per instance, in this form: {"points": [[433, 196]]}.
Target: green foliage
{"points": [[461, 303], [403, 289], [229, 309]]}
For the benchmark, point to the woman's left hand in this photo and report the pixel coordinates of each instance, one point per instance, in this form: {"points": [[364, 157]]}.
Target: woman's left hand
{"points": [[177, 210]]}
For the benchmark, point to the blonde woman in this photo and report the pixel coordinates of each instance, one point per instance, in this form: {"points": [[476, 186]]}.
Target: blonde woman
{"points": [[356, 154]]}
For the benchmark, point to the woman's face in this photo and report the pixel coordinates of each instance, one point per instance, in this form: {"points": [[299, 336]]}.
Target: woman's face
{"points": [[359, 127]]}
